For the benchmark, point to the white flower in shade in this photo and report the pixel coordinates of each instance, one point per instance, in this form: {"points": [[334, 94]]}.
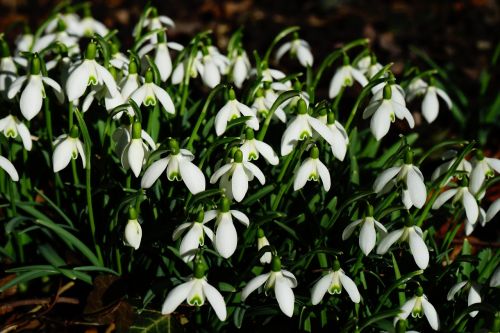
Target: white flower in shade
{"points": [[312, 169], [464, 195], [418, 306], [136, 152], [367, 234], [344, 77], [8, 167], [263, 102], [253, 148], [299, 48], [369, 66], [194, 238], [67, 147], [236, 175], [211, 66], [179, 166], [12, 127], [33, 94], [483, 168], [469, 227], [333, 283], [131, 82], [162, 58], [122, 136], [8, 73], [133, 230], [226, 238], [280, 280], [261, 243], [473, 295], [414, 191], [195, 291], [341, 139], [154, 22], [495, 278], [149, 94], [100, 92], [89, 72], [430, 103], [232, 110], [88, 26], [61, 36], [178, 75], [301, 128], [414, 236], [451, 155], [69, 19], [271, 75], [118, 60], [384, 111], [24, 42], [240, 68]]}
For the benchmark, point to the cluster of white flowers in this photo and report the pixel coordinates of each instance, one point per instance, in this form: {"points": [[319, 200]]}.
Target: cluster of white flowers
{"points": [[125, 86]]}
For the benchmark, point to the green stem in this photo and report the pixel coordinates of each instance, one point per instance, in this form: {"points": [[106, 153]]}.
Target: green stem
{"points": [[48, 119]]}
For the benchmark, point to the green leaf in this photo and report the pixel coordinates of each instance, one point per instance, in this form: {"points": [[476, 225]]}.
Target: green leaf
{"points": [[154, 322]]}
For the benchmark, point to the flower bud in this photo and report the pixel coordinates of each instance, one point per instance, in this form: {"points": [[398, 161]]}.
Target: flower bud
{"points": [[133, 233], [409, 157], [231, 94]]}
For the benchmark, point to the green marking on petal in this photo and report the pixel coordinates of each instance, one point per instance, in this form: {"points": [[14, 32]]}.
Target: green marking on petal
{"points": [[304, 135], [174, 176], [92, 81], [335, 289], [150, 100], [11, 133], [196, 300]]}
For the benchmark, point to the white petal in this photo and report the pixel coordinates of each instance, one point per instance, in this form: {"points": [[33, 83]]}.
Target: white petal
{"points": [[406, 309], [192, 176], [350, 229], [176, 296], [222, 118], [253, 284], [9, 168], [302, 175], [418, 249], [403, 113], [291, 135], [216, 300], [284, 296], [267, 151], [239, 183], [492, 210], [324, 175], [320, 288], [77, 82], [388, 240], [25, 135], [383, 178], [179, 230], [62, 155], [350, 287], [255, 171], [31, 98], [139, 95], [431, 314], [226, 237], [471, 207], [430, 105], [164, 99], [455, 289], [107, 78], [209, 215], [16, 86], [416, 186], [133, 234], [135, 156], [473, 298], [163, 62], [282, 50], [305, 56], [445, 97], [210, 75], [367, 236], [477, 177], [222, 170], [240, 216], [337, 82], [190, 242], [322, 130], [56, 87], [443, 197], [381, 121], [494, 163]]}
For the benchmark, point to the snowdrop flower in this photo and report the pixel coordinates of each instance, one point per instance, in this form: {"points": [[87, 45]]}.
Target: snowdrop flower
{"points": [[333, 283], [367, 234], [61, 36], [87, 73], [463, 194], [8, 167], [88, 26], [100, 92], [312, 169], [384, 111], [133, 230], [226, 238], [430, 103], [240, 68], [123, 135], [414, 236], [118, 60], [155, 22], [297, 47], [301, 127], [344, 77], [473, 295], [8, 69], [369, 66], [232, 110], [280, 280], [70, 20], [149, 93], [271, 75], [12, 127], [484, 167], [264, 100], [341, 139], [240, 172], [135, 153], [34, 92], [179, 166], [195, 291], [131, 82], [261, 243], [418, 306], [162, 57], [451, 155], [211, 66], [414, 191], [67, 147], [194, 238], [253, 148], [24, 42]]}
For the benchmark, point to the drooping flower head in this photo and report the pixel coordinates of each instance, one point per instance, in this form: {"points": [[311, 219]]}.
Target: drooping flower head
{"points": [[133, 230], [67, 147], [418, 306], [194, 237], [333, 283], [312, 169]]}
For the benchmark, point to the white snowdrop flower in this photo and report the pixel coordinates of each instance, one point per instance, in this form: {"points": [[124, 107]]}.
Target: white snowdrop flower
{"points": [[133, 230], [24, 42], [418, 306], [280, 281], [333, 283], [118, 60], [368, 233], [212, 66], [463, 194], [417, 87], [341, 139], [149, 93], [301, 127], [253, 148], [155, 22], [369, 66], [33, 93], [236, 175], [136, 152], [195, 291], [397, 93], [122, 136], [69, 19], [180, 70], [383, 112], [12, 128], [483, 168], [264, 100], [162, 58], [231, 110], [430, 103], [299, 48], [312, 169], [473, 296], [61, 36], [451, 156], [495, 278], [469, 227], [240, 68], [194, 237], [8, 167], [414, 236], [271, 74], [100, 92], [131, 82], [87, 73], [8, 69], [179, 166], [67, 147], [492, 211], [261, 243], [414, 191], [226, 237], [87, 26], [344, 77]]}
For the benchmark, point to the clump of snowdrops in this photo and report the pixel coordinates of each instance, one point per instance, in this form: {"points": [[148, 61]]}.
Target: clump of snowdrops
{"points": [[233, 191]]}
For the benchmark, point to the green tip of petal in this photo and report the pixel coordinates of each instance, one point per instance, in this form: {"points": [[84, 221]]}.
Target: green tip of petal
{"points": [[91, 51], [231, 94], [331, 118], [35, 65], [200, 268], [409, 156], [201, 216]]}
